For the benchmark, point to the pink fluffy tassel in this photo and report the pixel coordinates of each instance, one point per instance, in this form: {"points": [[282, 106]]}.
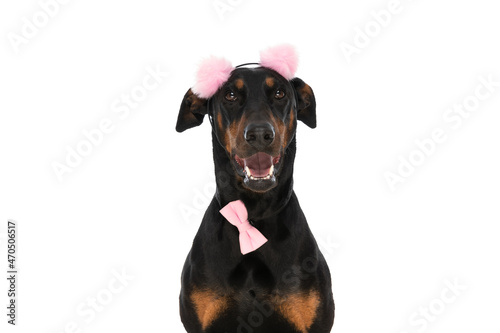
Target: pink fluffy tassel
{"points": [[282, 58], [212, 74]]}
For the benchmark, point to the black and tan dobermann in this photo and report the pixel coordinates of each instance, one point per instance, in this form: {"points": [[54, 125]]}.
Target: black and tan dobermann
{"points": [[285, 285]]}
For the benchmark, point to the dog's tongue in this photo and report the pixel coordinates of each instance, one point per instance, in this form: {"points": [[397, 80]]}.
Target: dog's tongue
{"points": [[259, 164]]}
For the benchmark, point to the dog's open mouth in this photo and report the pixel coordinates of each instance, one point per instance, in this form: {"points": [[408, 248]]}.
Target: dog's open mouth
{"points": [[259, 170], [258, 166]]}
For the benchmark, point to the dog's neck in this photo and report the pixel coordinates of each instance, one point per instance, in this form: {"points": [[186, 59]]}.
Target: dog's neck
{"points": [[259, 205]]}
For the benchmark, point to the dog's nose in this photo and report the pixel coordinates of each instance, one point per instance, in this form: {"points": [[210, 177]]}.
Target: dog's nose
{"points": [[259, 135]]}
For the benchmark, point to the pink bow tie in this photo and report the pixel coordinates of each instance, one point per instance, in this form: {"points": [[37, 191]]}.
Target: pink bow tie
{"points": [[250, 238]]}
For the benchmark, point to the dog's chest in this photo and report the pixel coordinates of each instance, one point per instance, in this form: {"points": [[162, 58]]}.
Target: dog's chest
{"points": [[283, 312]]}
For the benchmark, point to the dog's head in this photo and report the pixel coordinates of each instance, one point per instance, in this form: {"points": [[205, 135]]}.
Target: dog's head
{"points": [[254, 118]]}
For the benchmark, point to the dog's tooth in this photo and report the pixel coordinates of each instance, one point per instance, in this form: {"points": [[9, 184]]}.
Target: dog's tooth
{"points": [[271, 171], [247, 170]]}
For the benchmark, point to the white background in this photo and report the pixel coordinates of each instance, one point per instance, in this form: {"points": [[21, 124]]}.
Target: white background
{"points": [[390, 252]]}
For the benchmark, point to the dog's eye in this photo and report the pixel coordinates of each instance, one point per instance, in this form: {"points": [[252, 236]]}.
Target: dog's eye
{"points": [[279, 94], [230, 96]]}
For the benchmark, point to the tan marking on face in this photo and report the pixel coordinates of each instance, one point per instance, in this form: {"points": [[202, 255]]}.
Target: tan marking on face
{"points": [[299, 309], [219, 120], [279, 132], [208, 305], [231, 135], [239, 83], [292, 118], [283, 136], [236, 143], [269, 81]]}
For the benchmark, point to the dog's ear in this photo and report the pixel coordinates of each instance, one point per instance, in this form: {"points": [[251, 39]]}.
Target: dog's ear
{"points": [[193, 110], [306, 103]]}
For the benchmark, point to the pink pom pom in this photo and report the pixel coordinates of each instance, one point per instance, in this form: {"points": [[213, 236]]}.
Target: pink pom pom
{"points": [[282, 58], [211, 75]]}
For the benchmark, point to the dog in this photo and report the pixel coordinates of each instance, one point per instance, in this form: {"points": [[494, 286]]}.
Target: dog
{"points": [[283, 285]]}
